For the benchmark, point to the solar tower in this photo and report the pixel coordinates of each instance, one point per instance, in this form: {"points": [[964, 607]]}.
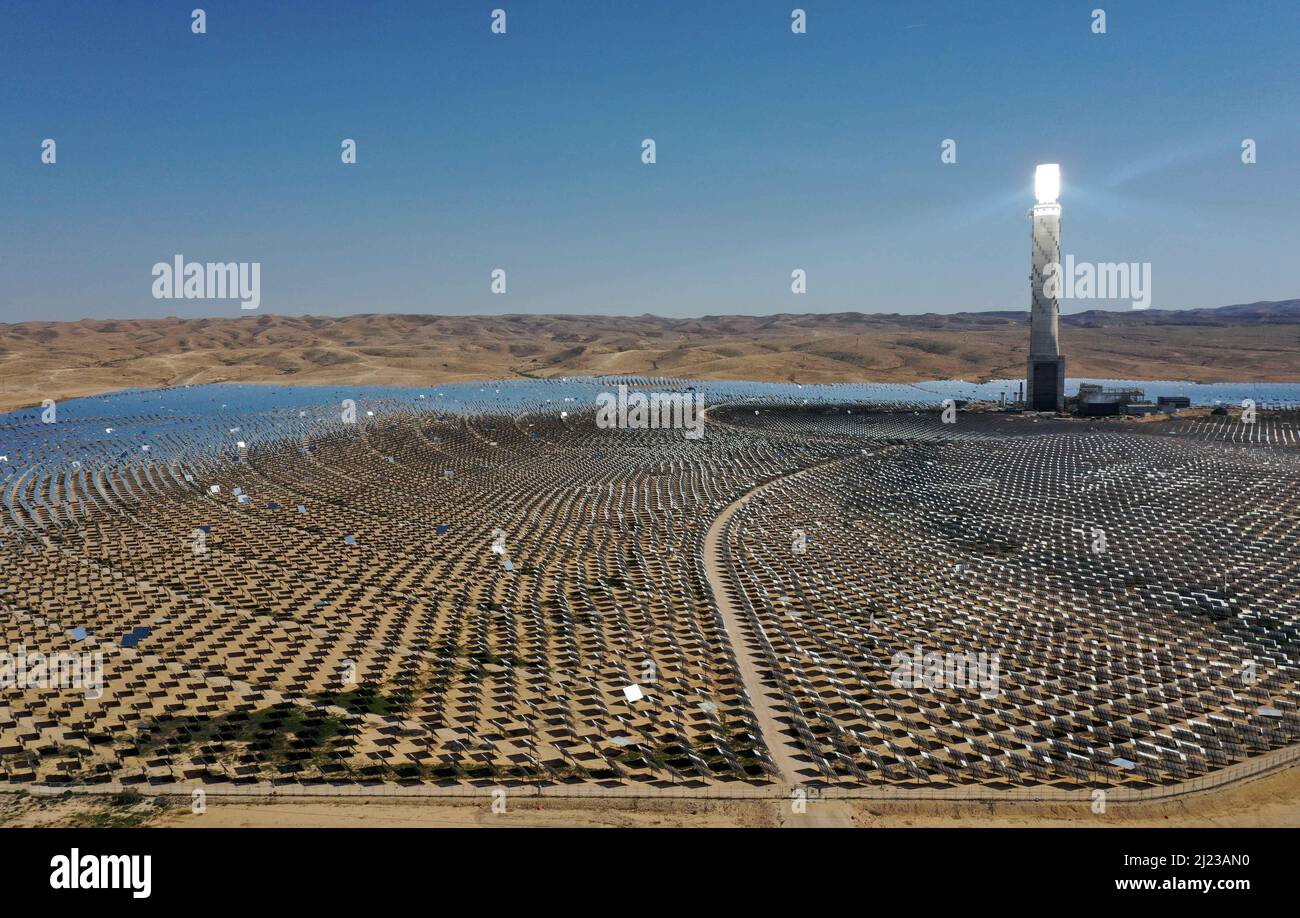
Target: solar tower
{"points": [[1045, 378]]}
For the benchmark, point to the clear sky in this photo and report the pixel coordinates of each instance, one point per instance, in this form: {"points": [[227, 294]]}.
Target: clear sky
{"points": [[523, 151]]}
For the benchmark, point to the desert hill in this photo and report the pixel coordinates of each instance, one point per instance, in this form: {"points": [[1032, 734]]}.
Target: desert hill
{"points": [[1247, 342]]}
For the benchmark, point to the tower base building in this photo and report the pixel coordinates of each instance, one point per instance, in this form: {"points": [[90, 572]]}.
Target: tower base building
{"points": [[1046, 384]]}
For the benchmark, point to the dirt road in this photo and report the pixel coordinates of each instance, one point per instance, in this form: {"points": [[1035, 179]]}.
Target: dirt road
{"points": [[805, 811]]}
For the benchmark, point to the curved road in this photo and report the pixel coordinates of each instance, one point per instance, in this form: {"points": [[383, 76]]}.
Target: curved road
{"points": [[749, 660]]}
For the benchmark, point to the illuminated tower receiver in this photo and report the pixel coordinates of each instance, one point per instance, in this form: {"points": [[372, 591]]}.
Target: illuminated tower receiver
{"points": [[1045, 379]]}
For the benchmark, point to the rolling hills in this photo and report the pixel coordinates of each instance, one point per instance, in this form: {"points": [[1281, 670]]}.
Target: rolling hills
{"points": [[38, 360]]}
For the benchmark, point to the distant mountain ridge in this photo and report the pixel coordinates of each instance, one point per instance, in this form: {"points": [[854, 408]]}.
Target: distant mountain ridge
{"points": [[1264, 311], [1268, 312]]}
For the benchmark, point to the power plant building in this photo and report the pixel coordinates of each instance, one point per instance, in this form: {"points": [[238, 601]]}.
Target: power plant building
{"points": [[1096, 401]]}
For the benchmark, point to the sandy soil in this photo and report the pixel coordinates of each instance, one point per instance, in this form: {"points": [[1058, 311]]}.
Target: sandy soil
{"points": [[58, 360], [25, 812], [1272, 801]]}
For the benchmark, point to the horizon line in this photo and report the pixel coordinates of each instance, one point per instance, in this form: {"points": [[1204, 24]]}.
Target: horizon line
{"points": [[642, 315]]}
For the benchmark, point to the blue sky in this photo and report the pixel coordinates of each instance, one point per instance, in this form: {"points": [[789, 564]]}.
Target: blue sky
{"points": [[522, 151]]}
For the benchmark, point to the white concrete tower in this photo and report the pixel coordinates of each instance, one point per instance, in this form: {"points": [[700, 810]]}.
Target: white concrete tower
{"points": [[1045, 376]]}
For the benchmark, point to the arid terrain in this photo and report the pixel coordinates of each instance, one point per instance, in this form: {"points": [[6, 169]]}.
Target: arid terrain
{"points": [[647, 628], [1270, 801], [39, 360]]}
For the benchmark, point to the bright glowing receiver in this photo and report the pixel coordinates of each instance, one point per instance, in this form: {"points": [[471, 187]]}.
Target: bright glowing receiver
{"points": [[1047, 183]]}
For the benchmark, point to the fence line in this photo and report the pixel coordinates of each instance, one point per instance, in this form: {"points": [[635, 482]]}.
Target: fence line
{"points": [[265, 791]]}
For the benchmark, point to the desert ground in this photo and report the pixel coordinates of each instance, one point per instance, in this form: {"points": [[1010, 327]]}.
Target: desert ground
{"points": [[1271, 801], [373, 636], [59, 360], [473, 668]]}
